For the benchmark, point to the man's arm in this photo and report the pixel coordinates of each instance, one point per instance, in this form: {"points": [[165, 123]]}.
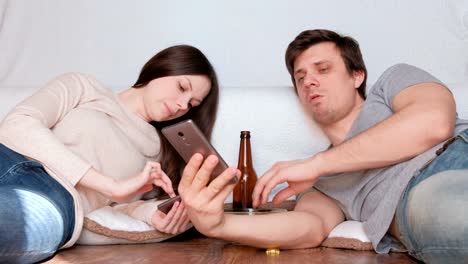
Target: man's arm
{"points": [[313, 218], [424, 116], [308, 225]]}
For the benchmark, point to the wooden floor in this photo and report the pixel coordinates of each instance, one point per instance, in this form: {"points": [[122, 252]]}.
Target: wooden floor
{"points": [[192, 247]]}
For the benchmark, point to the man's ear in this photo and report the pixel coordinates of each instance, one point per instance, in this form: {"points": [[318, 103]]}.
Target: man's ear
{"points": [[358, 78]]}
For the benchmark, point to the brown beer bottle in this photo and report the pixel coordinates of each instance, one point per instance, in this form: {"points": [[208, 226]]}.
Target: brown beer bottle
{"points": [[242, 194]]}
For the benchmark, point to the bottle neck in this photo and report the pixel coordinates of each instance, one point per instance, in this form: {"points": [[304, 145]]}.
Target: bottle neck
{"points": [[245, 154]]}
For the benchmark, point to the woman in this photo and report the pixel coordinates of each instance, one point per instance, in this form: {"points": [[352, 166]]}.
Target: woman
{"points": [[75, 146]]}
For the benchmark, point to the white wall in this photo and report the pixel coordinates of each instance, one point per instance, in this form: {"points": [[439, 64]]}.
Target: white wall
{"points": [[244, 39]]}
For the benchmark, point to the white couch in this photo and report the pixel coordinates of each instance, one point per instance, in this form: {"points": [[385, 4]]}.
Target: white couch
{"points": [[245, 40]]}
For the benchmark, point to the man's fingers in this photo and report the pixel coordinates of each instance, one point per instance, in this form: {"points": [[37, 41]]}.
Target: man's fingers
{"points": [[203, 175], [224, 193], [190, 171], [282, 195], [269, 186], [221, 182], [260, 186]]}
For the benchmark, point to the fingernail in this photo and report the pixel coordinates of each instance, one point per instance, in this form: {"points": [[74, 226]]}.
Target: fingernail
{"points": [[198, 157], [235, 179], [213, 159]]}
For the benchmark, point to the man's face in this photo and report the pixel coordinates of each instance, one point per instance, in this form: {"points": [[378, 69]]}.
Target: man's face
{"points": [[325, 88]]}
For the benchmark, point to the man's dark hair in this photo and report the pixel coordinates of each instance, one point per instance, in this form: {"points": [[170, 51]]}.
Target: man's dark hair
{"points": [[348, 47]]}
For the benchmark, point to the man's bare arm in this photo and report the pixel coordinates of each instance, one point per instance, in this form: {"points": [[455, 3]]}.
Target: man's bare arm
{"points": [[313, 218], [308, 225], [424, 116]]}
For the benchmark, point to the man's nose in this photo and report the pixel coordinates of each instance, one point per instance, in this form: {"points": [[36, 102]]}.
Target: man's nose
{"points": [[311, 81]]}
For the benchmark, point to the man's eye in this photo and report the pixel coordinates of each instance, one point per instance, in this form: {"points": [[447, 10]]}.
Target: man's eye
{"points": [[323, 70], [181, 88], [300, 80]]}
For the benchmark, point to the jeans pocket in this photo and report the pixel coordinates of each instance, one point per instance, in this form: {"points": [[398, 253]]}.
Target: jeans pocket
{"points": [[19, 173], [464, 135]]}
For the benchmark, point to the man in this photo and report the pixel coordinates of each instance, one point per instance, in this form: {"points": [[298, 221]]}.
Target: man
{"points": [[381, 168]]}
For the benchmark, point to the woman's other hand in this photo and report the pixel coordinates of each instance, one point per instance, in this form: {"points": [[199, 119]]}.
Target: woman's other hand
{"points": [[124, 190], [176, 221]]}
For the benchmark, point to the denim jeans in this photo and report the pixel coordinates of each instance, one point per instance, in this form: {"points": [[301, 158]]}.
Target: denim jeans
{"points": [[432, 216], [36, 212]]}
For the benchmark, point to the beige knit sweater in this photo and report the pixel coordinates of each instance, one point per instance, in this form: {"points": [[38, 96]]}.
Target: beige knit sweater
{"points": [[74, 123]]}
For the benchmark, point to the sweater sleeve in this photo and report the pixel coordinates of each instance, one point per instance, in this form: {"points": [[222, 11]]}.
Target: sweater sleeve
{"points": [[27, 128], [141, 210]]}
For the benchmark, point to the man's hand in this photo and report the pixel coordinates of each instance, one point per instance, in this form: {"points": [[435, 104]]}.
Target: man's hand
{"points": [[299, 174], [205, 204]]}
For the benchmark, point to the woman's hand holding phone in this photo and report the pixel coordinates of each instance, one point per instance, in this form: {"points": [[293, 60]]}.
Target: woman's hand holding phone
{"points": [[174, 222]]}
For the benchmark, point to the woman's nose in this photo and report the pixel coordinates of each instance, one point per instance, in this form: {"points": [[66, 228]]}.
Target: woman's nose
{"points": [[183, 103]]}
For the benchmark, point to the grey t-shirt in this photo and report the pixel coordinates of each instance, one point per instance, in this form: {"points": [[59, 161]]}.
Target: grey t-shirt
{"points": [[371, 196]]}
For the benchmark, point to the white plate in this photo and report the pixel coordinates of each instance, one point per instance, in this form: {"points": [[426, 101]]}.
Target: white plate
{"points": [[252, 211]]}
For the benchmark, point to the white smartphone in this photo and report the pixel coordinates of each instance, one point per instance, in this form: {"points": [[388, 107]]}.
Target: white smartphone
{"points": [[187, 139]]}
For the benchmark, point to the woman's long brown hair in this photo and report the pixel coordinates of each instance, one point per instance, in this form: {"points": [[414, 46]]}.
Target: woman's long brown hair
{"points": [[173, 61]]}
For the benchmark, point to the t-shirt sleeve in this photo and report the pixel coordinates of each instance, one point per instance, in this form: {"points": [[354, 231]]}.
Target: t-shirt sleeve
{"points": [[397, 78], [27, 128]]}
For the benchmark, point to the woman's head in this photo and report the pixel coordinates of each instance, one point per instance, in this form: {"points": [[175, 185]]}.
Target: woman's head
{"points": [[180, 83]]}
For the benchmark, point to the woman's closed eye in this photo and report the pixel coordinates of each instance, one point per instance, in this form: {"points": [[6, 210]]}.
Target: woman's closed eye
{"points": [[182, 88]]}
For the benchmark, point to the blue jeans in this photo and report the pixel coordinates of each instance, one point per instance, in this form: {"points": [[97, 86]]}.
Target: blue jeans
{"points": [[432, 216], [36, 213]]}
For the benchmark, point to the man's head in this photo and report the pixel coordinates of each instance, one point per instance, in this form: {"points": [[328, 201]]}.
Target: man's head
{"points": [[328, 73]]}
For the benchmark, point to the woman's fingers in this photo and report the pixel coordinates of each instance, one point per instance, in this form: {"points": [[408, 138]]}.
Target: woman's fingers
{"points": [[159, 178], [186, 223], [179, 226], [145, 188], [166, 187], [170, 228], [168, 218], [168, 184]]}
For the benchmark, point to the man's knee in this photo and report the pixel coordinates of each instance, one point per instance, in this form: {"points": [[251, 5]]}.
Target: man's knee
{"points": [[437, 207]]}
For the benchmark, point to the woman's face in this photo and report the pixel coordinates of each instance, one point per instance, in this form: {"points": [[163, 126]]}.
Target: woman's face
{"points": [[170, 97]]}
